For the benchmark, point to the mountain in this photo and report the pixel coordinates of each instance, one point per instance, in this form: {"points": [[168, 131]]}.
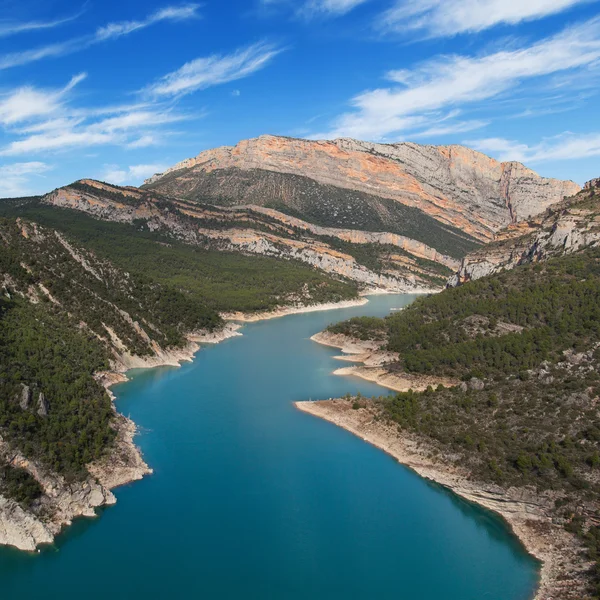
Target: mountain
{"points": [[564, 228], [370, 259], [408, 189], [96, 279]]}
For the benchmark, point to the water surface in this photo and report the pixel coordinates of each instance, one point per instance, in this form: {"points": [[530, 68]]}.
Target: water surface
{"points": [[253, 499]]}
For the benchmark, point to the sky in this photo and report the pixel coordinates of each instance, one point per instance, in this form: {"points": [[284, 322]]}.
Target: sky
{"points": [[117, 91]]}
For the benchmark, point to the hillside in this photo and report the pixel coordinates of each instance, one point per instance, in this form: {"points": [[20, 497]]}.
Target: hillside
{"points": [[370, 259], [498, 385], [564, 228], [409, 189], [77, 309]]}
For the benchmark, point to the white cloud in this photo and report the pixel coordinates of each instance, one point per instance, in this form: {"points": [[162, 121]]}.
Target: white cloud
{"points": [[451, 128], [27, 102], [309, 9], [421, 95], [171, 13], [8, 28], [450, 17], [567, 146], [132, 175], [329, 7], [14, 178], [129, 129], [143, 142], [107, 32], [214, 70]]}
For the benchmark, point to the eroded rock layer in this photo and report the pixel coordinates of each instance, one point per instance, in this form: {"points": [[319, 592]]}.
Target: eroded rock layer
{"points": [[456, 186]]}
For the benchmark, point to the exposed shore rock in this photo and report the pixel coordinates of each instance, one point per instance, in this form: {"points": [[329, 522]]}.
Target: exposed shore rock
{"points": [[528, 512], [62, 502], [374, 361]]}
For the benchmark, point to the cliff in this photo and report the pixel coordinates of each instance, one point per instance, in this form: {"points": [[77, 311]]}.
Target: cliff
{"points": [[455, 186], [564, 228]]}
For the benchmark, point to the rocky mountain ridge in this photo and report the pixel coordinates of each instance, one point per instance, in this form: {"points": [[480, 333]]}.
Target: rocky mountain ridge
{"points": [[409, 264], [456, 186], [564, 228]]}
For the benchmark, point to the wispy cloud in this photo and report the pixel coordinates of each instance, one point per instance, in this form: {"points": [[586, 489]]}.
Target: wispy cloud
{"points": [[436, 18], [567, 146], [314, 8], [309, 9], [130, 129], [131, 175], [422, 95], [216, 69], [8, 28], [102, 34], [27, 102], [41, 120], [15, 177]]}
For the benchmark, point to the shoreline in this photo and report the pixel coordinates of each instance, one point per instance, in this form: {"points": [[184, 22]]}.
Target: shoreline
{"points": [[124, 463], [253, 317], [528, 514], [373, 360]]}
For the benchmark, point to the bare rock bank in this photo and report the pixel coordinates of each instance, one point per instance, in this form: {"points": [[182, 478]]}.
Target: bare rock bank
{"points": [[528, 512]]}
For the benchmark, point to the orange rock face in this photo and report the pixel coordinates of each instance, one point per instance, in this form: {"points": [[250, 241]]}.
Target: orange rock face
{"points": [[453, 184]]}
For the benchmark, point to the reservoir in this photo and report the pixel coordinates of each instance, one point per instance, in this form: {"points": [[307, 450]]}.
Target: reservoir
{"points": [[252, 499]]}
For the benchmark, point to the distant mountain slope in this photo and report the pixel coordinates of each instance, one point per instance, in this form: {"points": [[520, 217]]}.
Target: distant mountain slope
{"points": [[352, 183], [564, 228], [371, 259]]}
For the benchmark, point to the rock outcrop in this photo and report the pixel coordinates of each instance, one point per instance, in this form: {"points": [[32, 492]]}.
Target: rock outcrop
{"points": [[61, 501], [24, 398], [566, 227], [266, 231], [42, 405], [454, 185]]}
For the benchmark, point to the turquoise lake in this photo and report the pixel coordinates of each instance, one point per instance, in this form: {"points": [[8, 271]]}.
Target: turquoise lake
{"points": [[252, 499]]}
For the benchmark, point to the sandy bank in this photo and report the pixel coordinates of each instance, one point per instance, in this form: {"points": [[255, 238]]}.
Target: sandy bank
{"points": [[373, 363], [289, 310], [529, 513]]}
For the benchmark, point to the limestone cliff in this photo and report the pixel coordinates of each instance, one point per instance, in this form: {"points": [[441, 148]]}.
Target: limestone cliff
{"points": [[564, 228], [456, 186]]}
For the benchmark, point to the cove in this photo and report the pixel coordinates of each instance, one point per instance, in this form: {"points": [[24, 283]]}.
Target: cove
{"points": [[253, 499]]}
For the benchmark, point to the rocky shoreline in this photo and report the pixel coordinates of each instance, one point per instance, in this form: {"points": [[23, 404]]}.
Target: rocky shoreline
{"points": [[528, 513], [63, 502], [373, 361]]}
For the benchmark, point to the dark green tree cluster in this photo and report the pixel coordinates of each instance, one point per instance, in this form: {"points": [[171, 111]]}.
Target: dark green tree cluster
{"points": [[19, 484], [46, 353], [531, 339]]}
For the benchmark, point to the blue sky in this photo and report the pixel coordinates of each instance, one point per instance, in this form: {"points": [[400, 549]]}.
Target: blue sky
{"points": [[118, 90]]}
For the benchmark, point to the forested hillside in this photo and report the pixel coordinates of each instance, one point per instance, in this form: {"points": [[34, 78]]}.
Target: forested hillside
{"points": [[77, 294], [373, 259], [525, 345]]}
